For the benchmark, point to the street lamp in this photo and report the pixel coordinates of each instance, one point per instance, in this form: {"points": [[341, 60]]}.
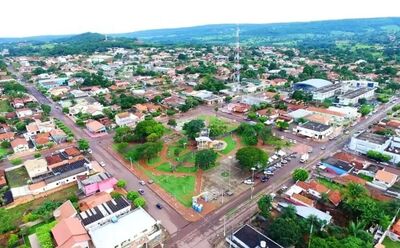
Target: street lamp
{"points": [[252, 174], [252, 182]]}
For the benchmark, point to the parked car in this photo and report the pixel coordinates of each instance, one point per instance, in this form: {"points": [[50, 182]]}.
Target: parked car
{"points": [[283, 161], [150, 181], [159, 206], [228, 193], [264, 179], [269, 173], [141, 191], [142, 182], [323, 147], [89, 151], [248, 182], [102, 164]]}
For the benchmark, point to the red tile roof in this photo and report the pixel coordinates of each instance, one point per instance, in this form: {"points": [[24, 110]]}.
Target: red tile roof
{"points": [[335, 197]]}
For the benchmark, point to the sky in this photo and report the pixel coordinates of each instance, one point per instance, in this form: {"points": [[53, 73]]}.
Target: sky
{"points": [[20, 18]]}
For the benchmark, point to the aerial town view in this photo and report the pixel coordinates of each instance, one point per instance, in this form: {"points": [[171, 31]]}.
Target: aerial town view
{"points": [[154, 124]]}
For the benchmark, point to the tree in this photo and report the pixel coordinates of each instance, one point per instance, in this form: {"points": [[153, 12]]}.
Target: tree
{"points": [[249, 157], [83, 144], [265, 134], [121, 183], [132, 195], [148, 129], [205, 159], [378, 156], [282, 125], [355, 190], [79, 122], [139, 202], [300, 174], [65, 110], [365, 109], [5, 144], [46, 109], [265, 205], [217, 127], [193, 128], [20, 126], [286, 231], [301, 95], [123, 134]]}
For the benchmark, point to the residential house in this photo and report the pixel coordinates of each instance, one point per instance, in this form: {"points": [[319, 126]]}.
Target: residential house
{"points": [[95, 127], [69, 233], [102, 182], [18, 103], [24, 112], [36, 167], [394, 232], [78, 93], [94, 200], [126, 119], [95, 91], [335, 166], [249, 237], [8, 136], [19, 145], [384, 179], [58, 136], [59, 91]]}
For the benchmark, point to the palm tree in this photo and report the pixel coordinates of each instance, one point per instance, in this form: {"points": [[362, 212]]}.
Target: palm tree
{"points": [[356, 228], [355, 190]]}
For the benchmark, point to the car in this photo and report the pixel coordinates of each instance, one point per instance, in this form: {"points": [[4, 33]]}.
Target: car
{"points": [[288, 159], [264, 179], [89, 151], [248, 182], [102, 164], [269, 173], [278, 165], [228, 193], [159, 206], [150, 181], [141, 191], [323, 148], [293, 155], [141, 182], [283, 161]]}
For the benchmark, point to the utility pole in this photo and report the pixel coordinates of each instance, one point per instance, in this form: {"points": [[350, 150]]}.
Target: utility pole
{"points": [[224, 225]]}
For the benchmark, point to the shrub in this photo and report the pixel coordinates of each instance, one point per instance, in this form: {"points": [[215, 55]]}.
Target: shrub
{"points": [[300, 174], [16, 161], [116, 195], [12, 240], [139, 202], [132, 196], [37, 155], [121, 183], [44, 236]]}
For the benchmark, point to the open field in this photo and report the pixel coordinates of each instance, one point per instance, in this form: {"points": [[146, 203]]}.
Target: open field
{"points": [[18, 177], [388, 243]]}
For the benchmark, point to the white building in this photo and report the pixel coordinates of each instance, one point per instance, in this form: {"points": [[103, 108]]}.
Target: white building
{"points": [[352, 97], [314, 130], [135, 229], [350, 113], [126, 119], [21, 113], [327, 92]]}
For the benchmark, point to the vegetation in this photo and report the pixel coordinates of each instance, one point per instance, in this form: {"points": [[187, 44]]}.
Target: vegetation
{"points": [[16, 161], [205, 159], [378, 156], [83, 144], [43, 234], [300, 174], [147, 151], [193, 128], [365, 109], [121, 183], [265, 206], [139, 202], [250, 157]]}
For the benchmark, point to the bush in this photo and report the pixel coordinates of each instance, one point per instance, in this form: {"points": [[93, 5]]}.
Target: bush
{"points": [[16, 161], [37, 155], [5, 144], [116, 195], [44, 236], [12, 240], [121, 183]]}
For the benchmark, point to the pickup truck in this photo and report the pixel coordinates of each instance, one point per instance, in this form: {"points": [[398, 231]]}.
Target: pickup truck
{"points": [[304, 158]]}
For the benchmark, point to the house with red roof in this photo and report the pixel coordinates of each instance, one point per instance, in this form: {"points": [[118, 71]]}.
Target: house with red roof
{"points": [[394, 232]]}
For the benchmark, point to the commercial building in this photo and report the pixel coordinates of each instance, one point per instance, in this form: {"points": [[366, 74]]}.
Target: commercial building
{"points": [[327, 92], [248, 237], [311, 84], [352, 97], [134, 229], [102, 182], [314, 130]]}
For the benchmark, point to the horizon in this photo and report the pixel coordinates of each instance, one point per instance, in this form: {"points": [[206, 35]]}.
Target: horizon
{"points": [[193, 26], [43, 17]]}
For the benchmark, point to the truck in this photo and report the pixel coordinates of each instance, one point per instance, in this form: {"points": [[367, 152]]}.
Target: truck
{"points": [[304, 158]]}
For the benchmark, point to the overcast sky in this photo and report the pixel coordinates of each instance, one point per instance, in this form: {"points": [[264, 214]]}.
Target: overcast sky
{"points": [[49, 17]]}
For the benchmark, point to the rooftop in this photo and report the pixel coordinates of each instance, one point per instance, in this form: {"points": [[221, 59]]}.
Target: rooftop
{"points": [[248, 237], [316, 83], [96, 178], [337, 163], [328, 88], [123, 229], [315, 126], [99, 212], [373, 138], [356, 93]]}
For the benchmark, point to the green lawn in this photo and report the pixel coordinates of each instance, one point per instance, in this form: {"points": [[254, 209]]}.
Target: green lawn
{"points": [[166, 167], [329, 184], [154, 161], [5, 106], [388, 243], [18, 177], [208, 118], [231, 145], [182, 188]]}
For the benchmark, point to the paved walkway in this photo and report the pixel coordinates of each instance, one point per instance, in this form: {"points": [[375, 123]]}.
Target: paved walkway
{"points": [[33, 239]]}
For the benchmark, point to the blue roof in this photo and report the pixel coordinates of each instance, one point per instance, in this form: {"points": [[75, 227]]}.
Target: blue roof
{"points": [[313, 83]]}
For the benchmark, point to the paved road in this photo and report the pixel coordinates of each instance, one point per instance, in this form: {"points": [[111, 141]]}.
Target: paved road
{"points": [[198, 234], [169, 218]]}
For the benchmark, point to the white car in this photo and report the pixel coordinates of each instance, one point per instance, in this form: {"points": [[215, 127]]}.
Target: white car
{"points": [[142, 182], [102, 164], [248, 182]]}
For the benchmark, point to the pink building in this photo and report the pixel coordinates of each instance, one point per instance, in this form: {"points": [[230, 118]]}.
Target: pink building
{"points": [[102, 182]]}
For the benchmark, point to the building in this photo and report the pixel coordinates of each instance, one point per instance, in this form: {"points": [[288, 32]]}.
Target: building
{"points": [[311, 84], [314, 130], [384, 179], [335, 166], [306, 212], [145, 232], [95, 127], [366, 141], [248, 237], [126, 119], [19, 145], [51, 83], [352, 97], [327, 92], [94, 200], [207, 96], [102, 182], [24, 112], [394, 232], [99, 215], [69, 233], [335, 118], [36, 167]]}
